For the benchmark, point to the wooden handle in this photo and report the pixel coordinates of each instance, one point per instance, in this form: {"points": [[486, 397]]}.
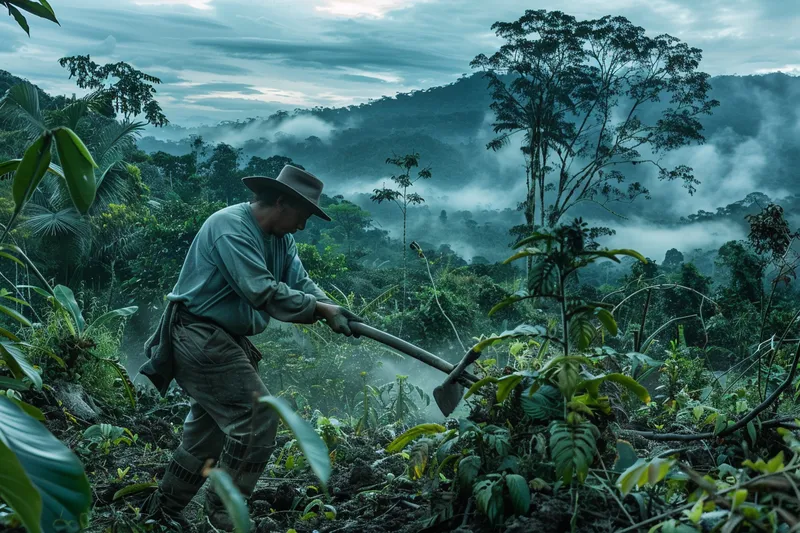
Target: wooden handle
{"points": [[363, 330], [458, 371]]}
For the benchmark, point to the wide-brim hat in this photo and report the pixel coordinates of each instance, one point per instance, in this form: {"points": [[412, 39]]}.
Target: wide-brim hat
{"points": [[294, 182]]}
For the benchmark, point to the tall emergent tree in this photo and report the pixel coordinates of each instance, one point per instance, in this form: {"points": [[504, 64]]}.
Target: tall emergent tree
{"points": [[402, 197], [132, 93], [592, 99]]}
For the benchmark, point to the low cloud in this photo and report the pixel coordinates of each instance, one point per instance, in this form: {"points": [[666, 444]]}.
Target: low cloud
{"points": [[652, 240]]}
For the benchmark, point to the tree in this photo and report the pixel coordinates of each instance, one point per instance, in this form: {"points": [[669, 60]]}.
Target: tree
{"points": [[443, 217], [271, 166], [223, 171], [350, 219], [673, 260], [401, 197], [587, 95], [745, 272], [175, 166], [132, 93]]}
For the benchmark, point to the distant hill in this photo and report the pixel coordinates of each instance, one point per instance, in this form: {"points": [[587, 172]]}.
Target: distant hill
{"points": [[754, 130], [752, 145]]}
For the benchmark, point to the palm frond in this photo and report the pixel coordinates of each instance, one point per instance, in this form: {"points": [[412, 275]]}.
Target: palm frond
{"points": [[113, 188], [20, 106], [70, 115], [120, 245], [113, 142], [49, 194], [62, 223]]}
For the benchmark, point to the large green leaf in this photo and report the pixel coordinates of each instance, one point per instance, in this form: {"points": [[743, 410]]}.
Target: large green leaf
{"points": [[17, 490], [520, 493], [40, 9], [13, 384], [40, 478], [423, 429], [573, 447], [66, 298], [544, 404], [535, 237], [15, 315], [19, 364], [122, 312], [543, 278], [526, 252], [310, 443], [30, 410], [581, 332], [468, 469], [31, 170], [642, 472], [232, 498], [488, 495], [7, 167], [78, 168], [20, 18], [508, 383], [605, 316]]}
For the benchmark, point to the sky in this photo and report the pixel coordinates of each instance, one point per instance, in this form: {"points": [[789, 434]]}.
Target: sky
{"points": [[229, 60]]}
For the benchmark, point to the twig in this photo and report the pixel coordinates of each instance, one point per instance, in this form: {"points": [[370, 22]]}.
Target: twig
{"points": [[610, 491], [663, 286], [436, 294], [738, 425]]}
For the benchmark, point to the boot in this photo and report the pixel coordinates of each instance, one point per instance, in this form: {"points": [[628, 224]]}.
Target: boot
{"points": [[245, 475], [180, 483]]}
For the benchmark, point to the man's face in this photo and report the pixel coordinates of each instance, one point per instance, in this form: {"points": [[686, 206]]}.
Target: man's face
{"points": [[292, 218]]}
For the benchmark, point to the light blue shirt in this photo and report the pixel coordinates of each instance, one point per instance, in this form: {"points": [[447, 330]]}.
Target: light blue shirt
{"points": [[239, 277]]}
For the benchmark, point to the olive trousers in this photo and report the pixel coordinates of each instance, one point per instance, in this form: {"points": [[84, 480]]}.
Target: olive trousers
{"points": [[219, 373]]}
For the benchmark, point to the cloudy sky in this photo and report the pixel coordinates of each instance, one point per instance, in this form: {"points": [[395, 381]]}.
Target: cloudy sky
{"points": [[226, 60]]}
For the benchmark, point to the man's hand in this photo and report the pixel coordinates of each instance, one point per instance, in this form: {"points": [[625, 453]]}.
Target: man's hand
{"points": [[338, 318]]}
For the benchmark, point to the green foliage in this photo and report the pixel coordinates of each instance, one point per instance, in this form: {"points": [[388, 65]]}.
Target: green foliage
{"points": [[643, 472], [39, 8], [232, 499], [131, 93], [552, 53], [403, 401], [402, 440], [322, 267], [573, 448], [314, 449], [41, 480]]}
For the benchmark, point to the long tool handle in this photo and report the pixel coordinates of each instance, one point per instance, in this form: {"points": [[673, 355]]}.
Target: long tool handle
{"points": [[458, 371], [359, 328]]}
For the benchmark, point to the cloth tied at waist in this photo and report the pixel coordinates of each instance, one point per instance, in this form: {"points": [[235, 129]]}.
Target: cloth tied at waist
{"points": [[159, 368]]}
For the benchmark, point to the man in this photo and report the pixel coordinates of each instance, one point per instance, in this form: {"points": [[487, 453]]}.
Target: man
{"points": [[241, 270]]}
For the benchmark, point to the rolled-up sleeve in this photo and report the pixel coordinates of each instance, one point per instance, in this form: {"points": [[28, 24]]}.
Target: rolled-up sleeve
{"points": [[297, 277], [242, 265]]}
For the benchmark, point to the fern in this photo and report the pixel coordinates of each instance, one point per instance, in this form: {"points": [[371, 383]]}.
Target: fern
{"points": [[572, 448]]}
